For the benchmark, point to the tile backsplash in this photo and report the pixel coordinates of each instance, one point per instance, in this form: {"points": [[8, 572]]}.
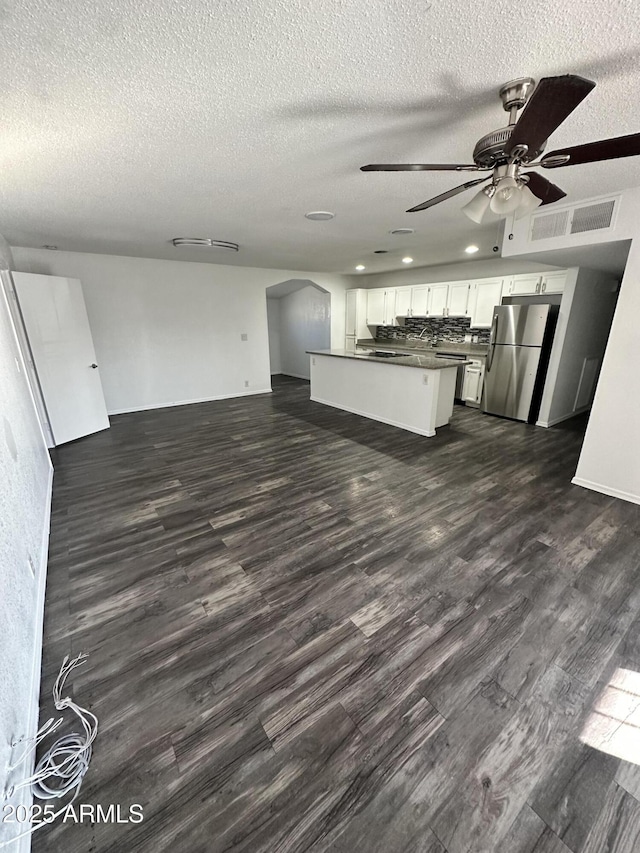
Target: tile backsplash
{"points": [[452, 329]]}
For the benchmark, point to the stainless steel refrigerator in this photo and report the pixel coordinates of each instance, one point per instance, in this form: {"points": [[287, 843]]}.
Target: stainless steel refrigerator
{"points": [[517, 361]]}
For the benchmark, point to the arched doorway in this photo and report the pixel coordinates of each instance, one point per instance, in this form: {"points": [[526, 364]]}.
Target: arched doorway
{"points": [[299, 319]]}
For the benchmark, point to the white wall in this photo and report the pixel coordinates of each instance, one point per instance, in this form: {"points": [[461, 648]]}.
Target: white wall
{"points": [[449, 272], [273, 326], [585, 318], [169, 332], [610, 457], [25, 493], [305, 324]]}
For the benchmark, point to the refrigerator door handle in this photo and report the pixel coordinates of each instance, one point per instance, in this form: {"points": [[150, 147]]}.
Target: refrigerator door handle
{"points": [[492, 342]]}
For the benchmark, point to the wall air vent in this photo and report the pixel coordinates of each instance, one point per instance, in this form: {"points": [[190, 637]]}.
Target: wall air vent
{"points": [[592, 217], [597, 216]]}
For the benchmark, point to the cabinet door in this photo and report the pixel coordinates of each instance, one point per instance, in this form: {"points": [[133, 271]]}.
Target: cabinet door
{"points": [[403, 302], [438, 294], [472, 385], [419, 301], [458, 299], [553, 282], [390, 308], [375, 307], [350, 343], [524, 285], [485, 295], [351, 315]]}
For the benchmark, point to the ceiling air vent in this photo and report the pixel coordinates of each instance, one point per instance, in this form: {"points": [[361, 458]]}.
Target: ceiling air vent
{"points": [[593, 217], [550, 225]]}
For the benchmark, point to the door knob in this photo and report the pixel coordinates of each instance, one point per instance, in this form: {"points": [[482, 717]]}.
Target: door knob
{"points": [[93, 366]]}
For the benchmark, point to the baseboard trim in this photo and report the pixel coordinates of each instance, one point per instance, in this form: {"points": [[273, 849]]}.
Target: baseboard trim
{"points": [[295, 375], [606, 490], [563, 418], [380, 420], [188, 402]]}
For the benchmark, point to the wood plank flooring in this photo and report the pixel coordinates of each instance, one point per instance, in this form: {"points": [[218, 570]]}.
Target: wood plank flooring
{"points": [[311, 632]]}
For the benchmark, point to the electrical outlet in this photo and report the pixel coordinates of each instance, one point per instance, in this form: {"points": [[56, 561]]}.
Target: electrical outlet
{"points": [[425, 378], [244, 336], [246, 383], [313, 361]]}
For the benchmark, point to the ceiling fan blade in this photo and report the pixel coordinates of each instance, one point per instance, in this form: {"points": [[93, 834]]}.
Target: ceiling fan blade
{"points": [[543, 189], [553, 100], [592, 152], [449, 194], [418, 167]]}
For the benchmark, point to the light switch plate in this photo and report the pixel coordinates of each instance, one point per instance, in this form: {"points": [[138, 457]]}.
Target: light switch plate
{"points": [[244, 336]]}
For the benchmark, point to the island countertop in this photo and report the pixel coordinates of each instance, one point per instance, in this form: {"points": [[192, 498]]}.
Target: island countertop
{"points": [[423, 361]]}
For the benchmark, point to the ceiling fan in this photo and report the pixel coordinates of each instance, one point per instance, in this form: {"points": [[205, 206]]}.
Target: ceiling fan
{"points": [[508, 151]]}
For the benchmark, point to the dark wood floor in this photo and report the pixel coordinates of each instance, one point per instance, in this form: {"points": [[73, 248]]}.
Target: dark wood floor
{"points": [[312, 632]]}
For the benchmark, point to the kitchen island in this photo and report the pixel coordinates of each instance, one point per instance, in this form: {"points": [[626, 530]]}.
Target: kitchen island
{"points": [[412, 392]]}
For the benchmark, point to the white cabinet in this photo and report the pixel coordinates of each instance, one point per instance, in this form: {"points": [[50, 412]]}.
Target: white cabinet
{"points": [[525, 285], [553, 282], [420, 300], [458, 299], [403, 301], [381, 307], [473, 382], [437, 305], [484, 295], [355, 317]]}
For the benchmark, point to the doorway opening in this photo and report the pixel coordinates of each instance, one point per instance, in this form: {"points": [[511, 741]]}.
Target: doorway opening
{"points": [[298, 319]]}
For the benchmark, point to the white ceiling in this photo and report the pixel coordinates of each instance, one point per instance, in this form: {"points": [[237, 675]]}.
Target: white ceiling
{"points": [[127, 123]]}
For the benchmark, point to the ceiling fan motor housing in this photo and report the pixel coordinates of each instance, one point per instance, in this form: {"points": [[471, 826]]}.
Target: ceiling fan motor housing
{"points": [[491, 148]]}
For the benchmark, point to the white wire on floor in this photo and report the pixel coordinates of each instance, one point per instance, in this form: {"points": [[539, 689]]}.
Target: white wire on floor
{"points": [[60, 771]]}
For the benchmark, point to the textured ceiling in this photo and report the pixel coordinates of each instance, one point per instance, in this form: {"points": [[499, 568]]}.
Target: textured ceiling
{"points": [[129, 122]]}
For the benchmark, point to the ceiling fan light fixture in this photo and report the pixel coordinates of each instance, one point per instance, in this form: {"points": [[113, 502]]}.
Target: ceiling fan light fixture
{"points": [[479, 205], [528, 202], [506, 197]]}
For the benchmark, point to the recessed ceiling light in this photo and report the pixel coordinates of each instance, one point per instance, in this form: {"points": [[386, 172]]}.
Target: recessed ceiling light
{"points": [[319, 215], [407, 260], [205, 242], [380, 251], [471, 250], [399, 232], [360, 267]]}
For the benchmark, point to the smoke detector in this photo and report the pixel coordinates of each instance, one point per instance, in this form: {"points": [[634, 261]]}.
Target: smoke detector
{"points": [[205, 242]]}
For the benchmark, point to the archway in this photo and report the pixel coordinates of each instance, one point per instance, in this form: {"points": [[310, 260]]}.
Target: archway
{"points": [[299, 319]]}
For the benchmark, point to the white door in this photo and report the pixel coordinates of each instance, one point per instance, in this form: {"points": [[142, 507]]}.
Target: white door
{"points": [[458, 300], [56, 321], [375, 307], [351, 316], [419, 301], [524, 285], [403, 302], [486, 294], [438, 300]]}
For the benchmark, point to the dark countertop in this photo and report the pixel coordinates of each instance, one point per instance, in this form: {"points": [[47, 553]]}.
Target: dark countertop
{"points": [[423, 360], [402, 345]]}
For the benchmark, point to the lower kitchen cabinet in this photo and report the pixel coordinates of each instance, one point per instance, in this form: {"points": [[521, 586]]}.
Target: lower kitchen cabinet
{"points": [[473, 382]]}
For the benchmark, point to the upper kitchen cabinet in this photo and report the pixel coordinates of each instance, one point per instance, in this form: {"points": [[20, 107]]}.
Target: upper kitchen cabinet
{"points": [[381, 307], [532, 285], [553, 282], [420, 300], [403, 301], [458, 299], [437, 305], [356, 314], [524, 285], [484, 295]]}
